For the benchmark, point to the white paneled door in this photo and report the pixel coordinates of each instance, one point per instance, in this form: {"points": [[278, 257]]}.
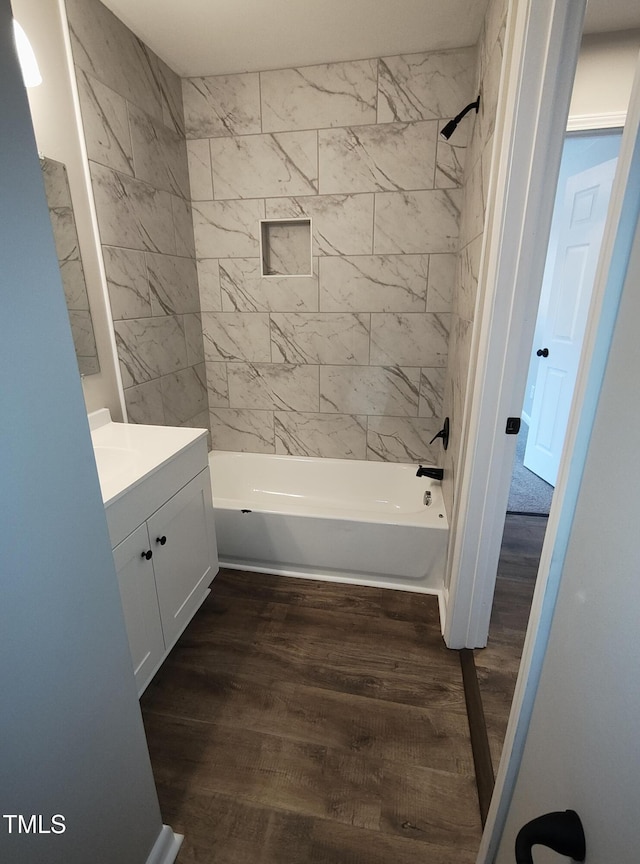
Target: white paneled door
{"points": [[561, 331]]}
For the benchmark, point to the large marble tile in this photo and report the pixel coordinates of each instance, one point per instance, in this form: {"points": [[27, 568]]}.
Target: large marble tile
{"points": [[73, 282], [462, 333], [173, 284], [227, 229], [494, 21], [244, 289], [183, 227], [243, 430], [441, 282], [425, 86], [242, 336], [313, 97], [159, 154], [200, 175], [373, 283], [257, 166], [432, 381], [68, 252], [341, 224], [469, 268], [491, 73], [369, 390], [410, 222], [82, 330], [184, 394], [332, 436], [451, 158], [193, 336], [409, 339], [144, 403], [56, 184], [131, 213], [209, 284], [221, 105], [331, 337], [127, 282], [105, 48], [403, 439], [217, 385], [279, 386], [105, 122], [149, 348], [388, 157], [201, 420], [472, 221], [170, 87]]}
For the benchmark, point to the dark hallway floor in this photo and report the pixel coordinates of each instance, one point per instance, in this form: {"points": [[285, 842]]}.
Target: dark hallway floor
{"points": [[497, 665]]}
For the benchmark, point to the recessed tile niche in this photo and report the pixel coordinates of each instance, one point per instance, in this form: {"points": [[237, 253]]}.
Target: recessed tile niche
{"points": [[285, 247]]}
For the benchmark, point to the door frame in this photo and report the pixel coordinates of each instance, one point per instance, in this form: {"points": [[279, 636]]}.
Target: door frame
{"points": [[542, 43], [617, 242]]}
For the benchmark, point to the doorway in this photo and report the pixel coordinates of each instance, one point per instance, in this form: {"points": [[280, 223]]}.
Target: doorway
{"points": [[582, 197], [586, 171], [587, 158]]}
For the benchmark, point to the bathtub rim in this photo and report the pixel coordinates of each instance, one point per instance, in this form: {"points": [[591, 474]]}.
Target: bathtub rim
{"points": [[422, 516]]}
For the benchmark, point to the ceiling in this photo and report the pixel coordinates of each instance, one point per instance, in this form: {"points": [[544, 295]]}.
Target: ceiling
{"points": [[213, 37]]}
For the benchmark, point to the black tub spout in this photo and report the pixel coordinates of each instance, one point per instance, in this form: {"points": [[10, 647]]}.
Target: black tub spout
{"points": [[434, 473]]}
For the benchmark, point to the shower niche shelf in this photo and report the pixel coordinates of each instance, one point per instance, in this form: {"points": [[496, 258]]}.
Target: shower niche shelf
{"points": [[285, 247]]}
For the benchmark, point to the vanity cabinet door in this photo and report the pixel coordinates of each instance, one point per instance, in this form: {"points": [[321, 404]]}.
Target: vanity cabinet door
{"points": [[140, 604], [184, 554]]}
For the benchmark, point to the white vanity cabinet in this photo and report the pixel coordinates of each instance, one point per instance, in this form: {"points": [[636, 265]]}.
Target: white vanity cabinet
{"points": [[182, 554], [157, 493], [164, 570], [136, 579]]}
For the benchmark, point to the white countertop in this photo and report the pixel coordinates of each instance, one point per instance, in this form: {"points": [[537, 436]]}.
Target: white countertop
{"points": [[127, 453]]}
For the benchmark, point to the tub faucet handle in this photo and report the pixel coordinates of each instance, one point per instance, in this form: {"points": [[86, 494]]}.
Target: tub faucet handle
{"points": [[443, 433]]}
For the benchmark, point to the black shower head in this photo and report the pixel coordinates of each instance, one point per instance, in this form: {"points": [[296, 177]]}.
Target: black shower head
{"points": [[448, 130]]}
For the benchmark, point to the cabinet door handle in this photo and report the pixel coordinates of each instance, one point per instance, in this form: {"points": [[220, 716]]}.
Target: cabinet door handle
{"points": [[148, 554], [161, 540]]}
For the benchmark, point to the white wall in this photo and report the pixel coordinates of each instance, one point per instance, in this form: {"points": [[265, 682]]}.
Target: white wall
{"points": [[604, 75], [70, 725], [56, 131]]}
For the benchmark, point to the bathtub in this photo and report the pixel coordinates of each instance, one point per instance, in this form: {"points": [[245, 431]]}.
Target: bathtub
{"points": [[334, 519]]}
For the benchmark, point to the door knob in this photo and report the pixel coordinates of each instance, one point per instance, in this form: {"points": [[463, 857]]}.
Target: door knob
{"points": [[542, 352], [561, 831]]}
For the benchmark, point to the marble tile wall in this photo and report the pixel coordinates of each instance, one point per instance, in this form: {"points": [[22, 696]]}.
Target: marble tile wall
{"points": [[349, 362], [468, 292], [133, 120]]}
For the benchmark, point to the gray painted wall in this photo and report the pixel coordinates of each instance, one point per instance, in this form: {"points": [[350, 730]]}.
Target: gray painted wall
{"points": [[70, 726]]}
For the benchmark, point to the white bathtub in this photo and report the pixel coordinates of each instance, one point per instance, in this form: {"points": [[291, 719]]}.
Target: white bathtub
{"points": [[334, 519]]}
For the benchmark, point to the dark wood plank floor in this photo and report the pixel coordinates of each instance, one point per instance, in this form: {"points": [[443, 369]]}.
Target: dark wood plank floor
{"points": [[497, 665], [301, 721]]}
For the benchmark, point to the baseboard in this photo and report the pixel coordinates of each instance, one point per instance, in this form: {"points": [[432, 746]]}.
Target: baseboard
{"points": [[395, 584], [165, 849]]}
